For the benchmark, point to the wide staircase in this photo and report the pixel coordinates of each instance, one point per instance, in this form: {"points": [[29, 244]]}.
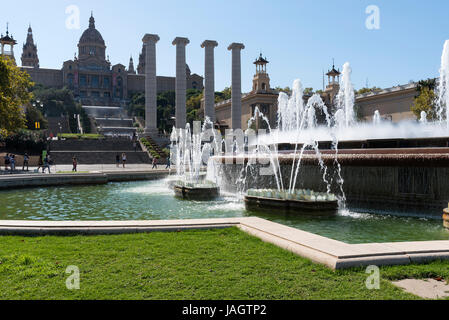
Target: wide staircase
{"points": [[111, 121], [103, 151]]}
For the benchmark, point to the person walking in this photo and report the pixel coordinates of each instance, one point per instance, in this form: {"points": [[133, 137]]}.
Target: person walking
{"points": [[7, 161], [168, 163], [26, 160], [154, 163], [46, 164], [124, 159], [117, 160], [13, 162], [75, 164]]}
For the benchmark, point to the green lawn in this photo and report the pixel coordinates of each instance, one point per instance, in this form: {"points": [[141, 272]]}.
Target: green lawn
{"points": [[215, 264]]}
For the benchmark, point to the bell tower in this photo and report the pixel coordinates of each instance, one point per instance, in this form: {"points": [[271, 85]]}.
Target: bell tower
{"points": [[261, 80], [29, 53], [7, 41]]}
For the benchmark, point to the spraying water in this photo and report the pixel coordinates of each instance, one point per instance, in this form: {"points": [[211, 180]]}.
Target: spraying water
{"points": [[443, 87], [376, 117], [346, 97]]}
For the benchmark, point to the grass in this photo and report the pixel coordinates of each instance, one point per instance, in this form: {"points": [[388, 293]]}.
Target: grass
{"points": [[214, 264], [90, 136]]}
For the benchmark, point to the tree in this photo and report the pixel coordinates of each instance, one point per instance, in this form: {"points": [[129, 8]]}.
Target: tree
{"points": [[224, 95], [57, 102], [14, 94], [425, 101], [33, 115], [367, 90], [286, 90], [308, 91]]}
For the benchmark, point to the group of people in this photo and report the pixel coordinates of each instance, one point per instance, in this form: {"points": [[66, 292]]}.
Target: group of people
{"points": [[10, 162], [123, 159]]}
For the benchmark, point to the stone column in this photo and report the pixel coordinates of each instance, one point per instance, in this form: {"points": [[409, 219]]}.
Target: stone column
{"points": [[149, 41], [209, 81], [181, 81], [236, 100]]}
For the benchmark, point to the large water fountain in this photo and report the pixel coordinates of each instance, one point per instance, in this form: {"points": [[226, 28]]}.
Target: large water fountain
{"points": [[397, 167]]}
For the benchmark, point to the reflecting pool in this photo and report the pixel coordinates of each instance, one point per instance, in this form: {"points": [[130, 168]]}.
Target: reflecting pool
{"points": [[153, 200]]}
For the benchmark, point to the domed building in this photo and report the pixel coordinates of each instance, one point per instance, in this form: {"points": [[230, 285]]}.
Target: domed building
{"points": [[90, 75]]}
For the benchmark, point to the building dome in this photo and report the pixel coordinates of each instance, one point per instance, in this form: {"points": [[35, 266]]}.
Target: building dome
{"points": [[92, 35]]}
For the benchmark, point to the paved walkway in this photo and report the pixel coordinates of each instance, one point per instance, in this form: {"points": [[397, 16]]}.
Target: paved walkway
{"points": [[98, 168]]}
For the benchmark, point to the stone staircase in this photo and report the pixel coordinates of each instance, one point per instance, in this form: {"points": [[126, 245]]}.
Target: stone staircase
{"points": [[111, 121], [101, 151]]}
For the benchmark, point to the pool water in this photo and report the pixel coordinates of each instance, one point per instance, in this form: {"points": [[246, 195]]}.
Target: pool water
{"points": [[153, 200]]}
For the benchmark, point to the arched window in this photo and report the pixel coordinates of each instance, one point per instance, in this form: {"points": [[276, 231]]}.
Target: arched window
{"points": [[264, 86]]}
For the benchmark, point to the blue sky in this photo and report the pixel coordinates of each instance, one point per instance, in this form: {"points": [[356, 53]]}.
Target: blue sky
{"points": [[299, 37]]}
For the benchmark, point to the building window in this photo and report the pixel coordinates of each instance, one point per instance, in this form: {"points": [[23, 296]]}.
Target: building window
{"points": [[107, 95], [95, 94], [83, 80], [95, 81], [106, 82]]}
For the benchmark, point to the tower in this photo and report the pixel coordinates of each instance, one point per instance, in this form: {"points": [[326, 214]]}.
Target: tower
{"points": [[7, 41], [261, 80], [29, 52], [131, 66], [333, 85]]}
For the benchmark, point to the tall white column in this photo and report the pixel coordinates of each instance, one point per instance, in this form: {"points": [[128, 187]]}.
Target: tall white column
{"points": [[236, 99], [149, 41], [209, 81], [181, 81]]}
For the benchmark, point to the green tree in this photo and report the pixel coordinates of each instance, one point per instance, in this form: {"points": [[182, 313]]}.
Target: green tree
{"points": [[367, 90], [308, 91], [14, 95], [425, 101], [33, 115], [286, 90], [57, 102]]}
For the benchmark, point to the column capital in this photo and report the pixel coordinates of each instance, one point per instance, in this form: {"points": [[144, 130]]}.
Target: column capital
{"points": [[147, 38], [234, 45], [180, 40], [209, 43]]}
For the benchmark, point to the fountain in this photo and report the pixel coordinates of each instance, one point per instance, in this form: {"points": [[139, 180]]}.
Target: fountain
{"points": [[372, 166], [190, 154]]}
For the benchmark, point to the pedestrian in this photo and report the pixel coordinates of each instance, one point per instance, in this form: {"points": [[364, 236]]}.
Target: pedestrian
{"points": [[26, 160], [7, 161], [13, 162], [46, 164], [168, 163], [117, 160], [124, 159], [75, 164], [154, 163]]}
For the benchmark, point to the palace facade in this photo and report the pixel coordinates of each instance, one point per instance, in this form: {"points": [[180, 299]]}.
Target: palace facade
{"points": [[90, 75]]}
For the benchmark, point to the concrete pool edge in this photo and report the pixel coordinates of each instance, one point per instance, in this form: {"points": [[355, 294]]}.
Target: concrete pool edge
{"points": [[319, 249], [16, 181]]}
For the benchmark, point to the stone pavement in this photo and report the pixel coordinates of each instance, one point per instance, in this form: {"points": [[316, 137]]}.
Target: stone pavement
{"points": [[99, 168]]}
